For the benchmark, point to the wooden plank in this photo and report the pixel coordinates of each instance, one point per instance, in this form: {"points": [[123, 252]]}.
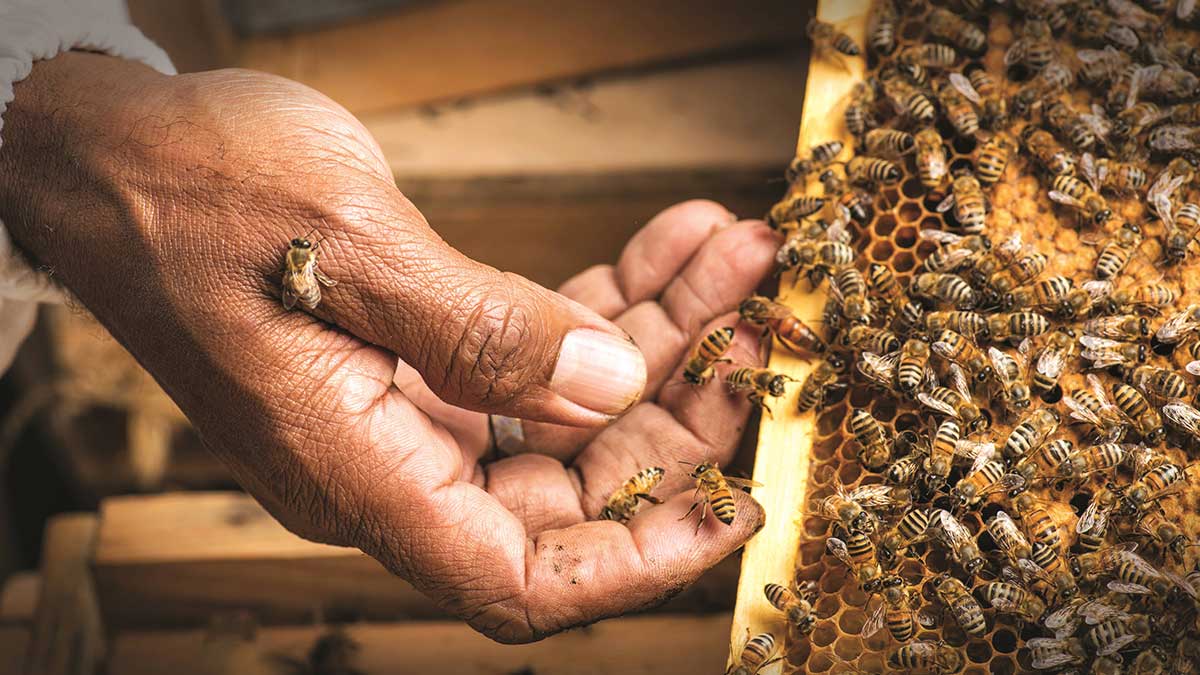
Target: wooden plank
{"points": [[630, 646], [439, 51], [14, 641], [19, 598], [67, 632], [785, 442], [177, 559]]}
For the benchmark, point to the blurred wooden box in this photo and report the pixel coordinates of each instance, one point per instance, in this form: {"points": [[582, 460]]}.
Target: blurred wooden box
{"points": [[209, 583]]}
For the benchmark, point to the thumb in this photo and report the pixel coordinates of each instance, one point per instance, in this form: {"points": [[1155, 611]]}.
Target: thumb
{"points": [[482, 339]]}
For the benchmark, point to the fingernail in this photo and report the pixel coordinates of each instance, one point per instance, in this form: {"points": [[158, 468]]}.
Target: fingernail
{"points": [[599, 371]]}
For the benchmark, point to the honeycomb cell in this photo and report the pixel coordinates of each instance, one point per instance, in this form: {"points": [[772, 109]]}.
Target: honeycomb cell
{"points": [[979, 651], [848, 648], [905, 421], [861, 397], [849, 472], [828, 606], [1000, 666], [823, 634], [882, 251], [829, 422], [912, 189], [885, 223], [815, 526], [884, 409], [1004, 641], [905, 237], [964, 145], [851, 621]]}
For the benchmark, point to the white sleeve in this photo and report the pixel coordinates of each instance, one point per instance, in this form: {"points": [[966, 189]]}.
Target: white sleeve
{"points": [[33, 30]]}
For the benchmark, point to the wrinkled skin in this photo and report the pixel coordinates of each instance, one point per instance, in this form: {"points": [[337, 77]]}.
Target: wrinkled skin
{"points": [[165, 206]]}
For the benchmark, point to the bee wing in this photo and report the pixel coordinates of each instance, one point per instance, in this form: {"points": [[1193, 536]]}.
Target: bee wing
{"points": [[1011, 245], [1088, 164], [940, 237], [872, 496], [879, 369], [1184, 9], [1049, 659], [742, 482], [946, 204], [979, 453], [1025, 348], [964, 87], [1094, 518], [958, 381], [936, 405], [1000, 362], [837, 229], [838, 548], [1181, 583], [1193, 367], [1007, 482], [1159, 195], [928, 619], [807, 590], [1183, 416], [875, 623], [1015, 52], [1143, 74], [1065, 199], [1177, 325], [1099, 611], [942, 349], [1128, 588], [950, 531], [1117, 644], [1097, 288], [1005, 604], [1081, 412], [1050, 363]]}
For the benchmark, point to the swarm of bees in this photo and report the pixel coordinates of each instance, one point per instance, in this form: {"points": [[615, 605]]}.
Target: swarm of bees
{"points": [[1020, 452]]}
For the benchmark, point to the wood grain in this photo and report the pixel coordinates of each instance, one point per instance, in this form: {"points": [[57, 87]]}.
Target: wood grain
{"points": [[630, 646], [67, 636], [440, 51], [785, 442]]}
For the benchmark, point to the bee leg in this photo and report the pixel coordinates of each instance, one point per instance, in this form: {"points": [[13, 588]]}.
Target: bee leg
{"points": [[325, 281], [696, 497], [649, 498], [703, 514]]}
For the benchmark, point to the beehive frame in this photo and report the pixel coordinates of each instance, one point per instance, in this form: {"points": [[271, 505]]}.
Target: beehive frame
{"points": [[785, 441], [800, 455]]}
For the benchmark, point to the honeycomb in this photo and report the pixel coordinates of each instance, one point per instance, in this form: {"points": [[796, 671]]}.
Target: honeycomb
{"points": [[1019, 204]]}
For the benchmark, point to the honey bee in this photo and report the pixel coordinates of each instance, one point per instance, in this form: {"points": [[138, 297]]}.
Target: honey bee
{"points": [[955, 537], [1153, 661], [1183, 417], [1142, 298], [912, 528], [875, 449], [859, 114], [1135, 119], [930, 158], [1172, 539], [978, 485], [872, 170], [1047, 653], [942, 449], [1051, 359], [947, 26], [1106, 352], [1110, 637], [1031, 432], [881, 35], [1012, 599], [759, 383], [1097, 27], [1180, 232], [1037, 522], [896, 611], [1179, 326], [1082, 197], [882, 281], [929, 55], [793, 208], [853, 509], [1170, 83], [962, 605], [1063, 120], [1101, 66], [1093, 523], [1034, 48], [911, 368], [853, 200], [955, 401], [985, 93], [796, 603], [1116, 253], [954, 250], [1161, 193], [819, 157], [1085, 462], [1174, 138], [1051, 81], [754, 655], [1014, 392], [958, 109], [849, 290], [825, 36], [1046, 463], [1119, 177], [857, 552], [1144, 418], [908, 100], [302, 280], [1155, 484], [1008, 537], [992, 158], [1123, 327], [970, 205], [1092, 406], [1047, 151], [903, 471], [927, 655], [819, 382], [700, 367], [627, 499], [1012, 325], [947, 288], [781, 322], [958, 349], [1130, 572], [713, 490], [1000, 287], [890, 144]]}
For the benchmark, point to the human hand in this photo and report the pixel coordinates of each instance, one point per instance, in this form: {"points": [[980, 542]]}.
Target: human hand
{"points": [[165, 205]]}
